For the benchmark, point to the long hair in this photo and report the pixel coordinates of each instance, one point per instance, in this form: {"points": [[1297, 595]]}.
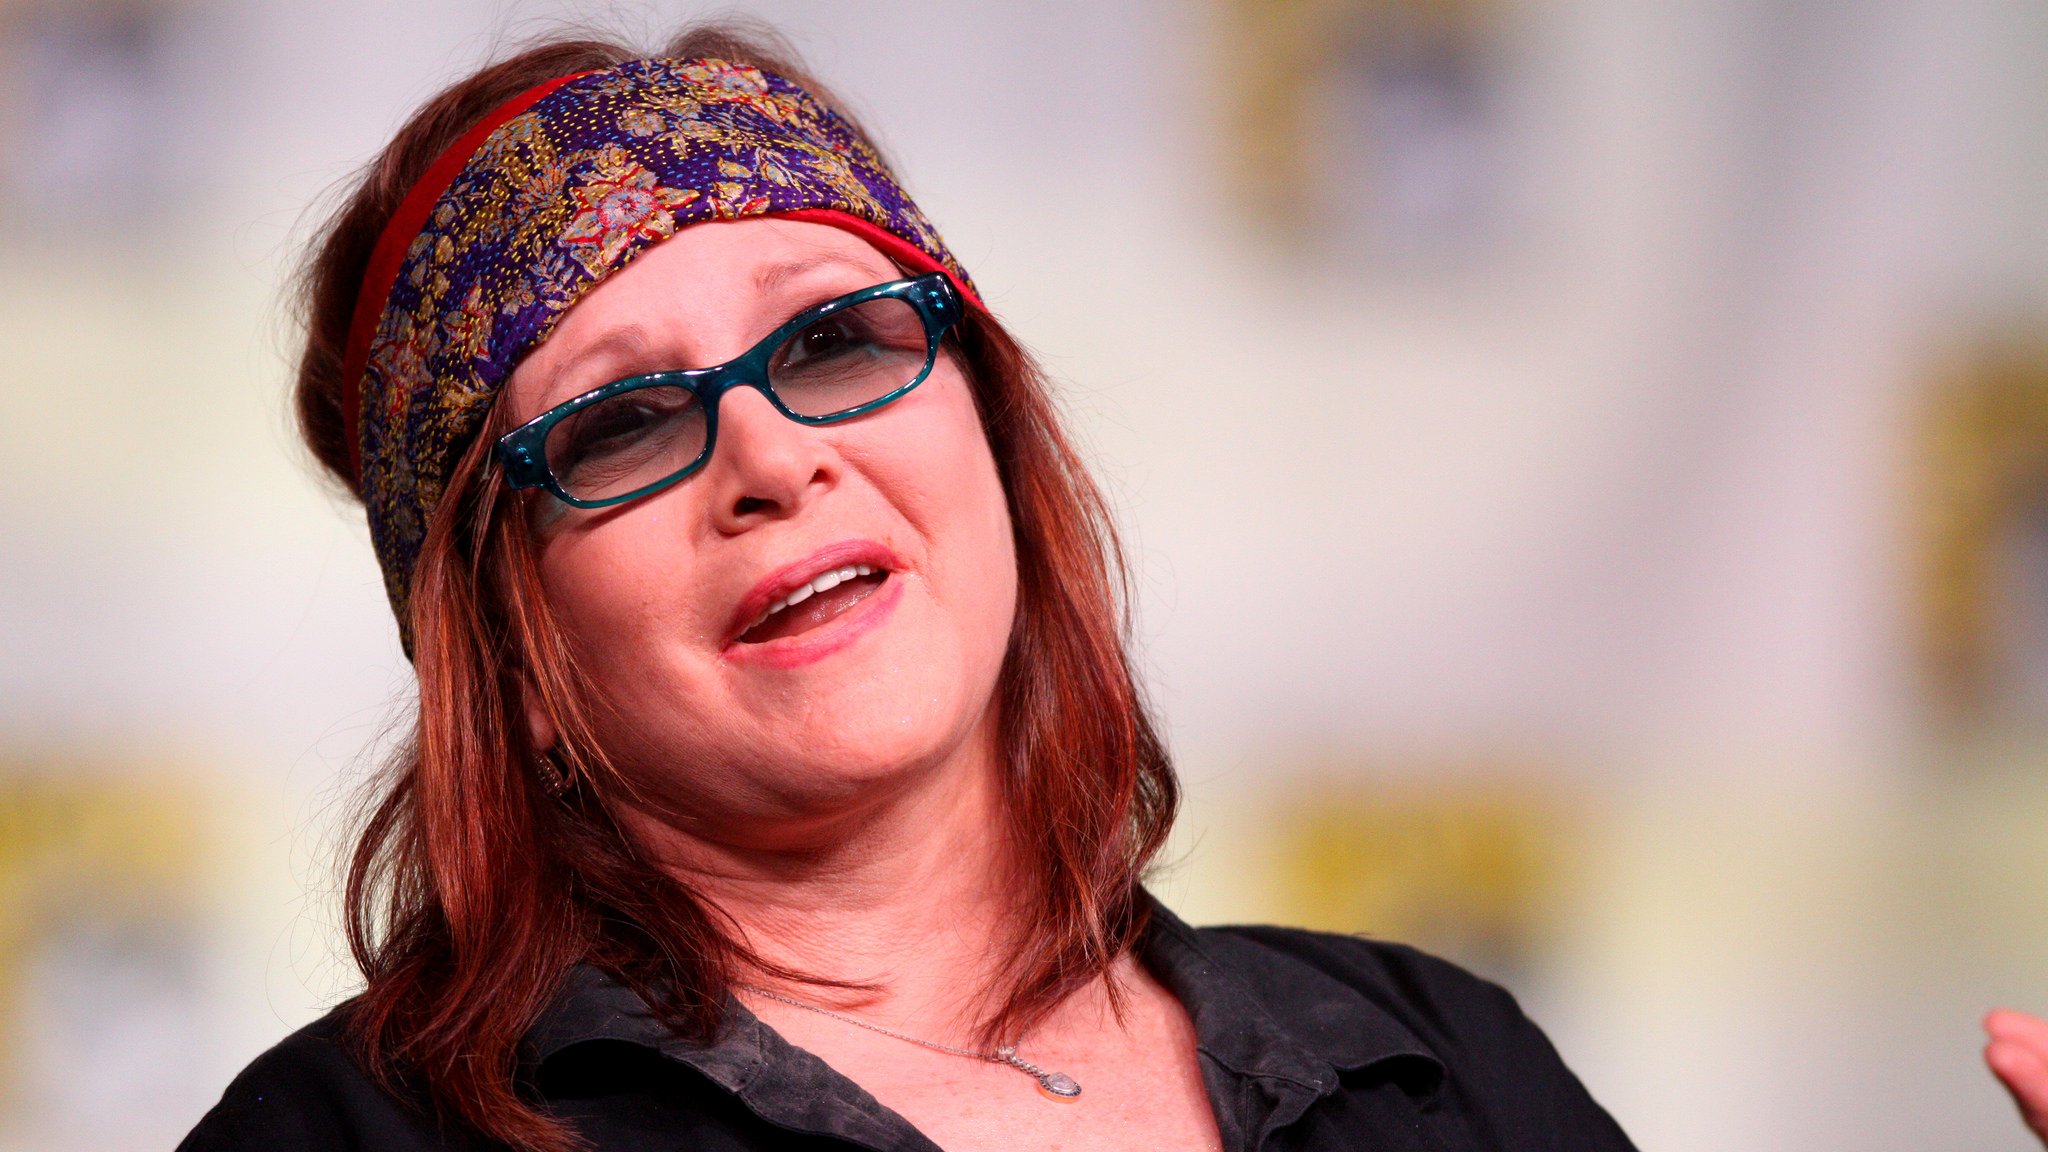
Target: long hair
{"points": [[473, 887]]}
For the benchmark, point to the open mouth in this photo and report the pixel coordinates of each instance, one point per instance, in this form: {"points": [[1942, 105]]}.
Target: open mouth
{"points": [[815, 603]]}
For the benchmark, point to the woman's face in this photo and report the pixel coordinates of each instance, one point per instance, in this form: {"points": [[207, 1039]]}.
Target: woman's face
{"points": [[764, 734]]}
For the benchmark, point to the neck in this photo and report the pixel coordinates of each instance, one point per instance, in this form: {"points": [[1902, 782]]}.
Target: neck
{"points": [[913, 896]]}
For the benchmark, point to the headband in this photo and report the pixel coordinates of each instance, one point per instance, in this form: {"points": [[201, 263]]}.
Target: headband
{"points": [[554, 191]]}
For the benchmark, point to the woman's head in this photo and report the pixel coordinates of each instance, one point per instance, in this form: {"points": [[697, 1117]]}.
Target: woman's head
{"points": [[621, 642], [547, 196]]}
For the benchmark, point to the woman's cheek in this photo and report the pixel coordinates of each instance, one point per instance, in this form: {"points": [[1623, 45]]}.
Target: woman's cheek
{"points": [[611, 585]]}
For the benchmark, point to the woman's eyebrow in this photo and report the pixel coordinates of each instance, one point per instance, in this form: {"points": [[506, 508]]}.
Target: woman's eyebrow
{"points": [[627, 343], [773, 277]]}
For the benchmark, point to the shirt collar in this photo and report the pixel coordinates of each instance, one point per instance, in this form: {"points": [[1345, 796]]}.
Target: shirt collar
{"points": [[783, 1084], [1259, 1014]]}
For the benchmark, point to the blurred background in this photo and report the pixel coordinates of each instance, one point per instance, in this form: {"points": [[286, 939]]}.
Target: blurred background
{"points": [[1586, 464]]}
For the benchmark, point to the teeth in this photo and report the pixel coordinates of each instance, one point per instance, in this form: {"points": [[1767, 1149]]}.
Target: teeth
{"points": [[822, 582]]}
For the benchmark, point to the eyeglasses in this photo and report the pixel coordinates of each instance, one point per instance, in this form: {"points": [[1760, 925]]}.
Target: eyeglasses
{"points": [[636, 436]]}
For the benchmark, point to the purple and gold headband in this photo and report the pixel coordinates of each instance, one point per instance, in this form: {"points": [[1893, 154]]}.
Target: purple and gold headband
{"points": [[554, 191]]}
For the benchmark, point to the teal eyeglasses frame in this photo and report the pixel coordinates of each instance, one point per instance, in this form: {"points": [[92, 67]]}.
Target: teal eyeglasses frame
{"points": [[523, 451]]}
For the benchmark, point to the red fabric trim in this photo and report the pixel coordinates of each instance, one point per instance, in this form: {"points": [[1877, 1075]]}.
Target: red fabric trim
{"points": [[891, 245], [389, 254]]}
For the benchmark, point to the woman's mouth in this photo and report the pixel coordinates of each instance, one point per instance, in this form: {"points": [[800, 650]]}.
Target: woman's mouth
{"points": [[815, 603]]}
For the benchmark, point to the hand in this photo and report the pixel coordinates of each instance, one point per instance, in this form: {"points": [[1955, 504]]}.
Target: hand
{"points": [[2018, 1055]]}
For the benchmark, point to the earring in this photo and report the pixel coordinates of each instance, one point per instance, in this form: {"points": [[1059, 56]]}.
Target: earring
{"points": [[553, 780]]}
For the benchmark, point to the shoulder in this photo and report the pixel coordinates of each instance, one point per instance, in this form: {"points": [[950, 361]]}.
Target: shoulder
{"points": [[308, 1093], [1504, 1073]]}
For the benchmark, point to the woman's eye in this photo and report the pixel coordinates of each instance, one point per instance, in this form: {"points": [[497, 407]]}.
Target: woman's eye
{"points": [[827, 338], [613, 422], [618, 425]]}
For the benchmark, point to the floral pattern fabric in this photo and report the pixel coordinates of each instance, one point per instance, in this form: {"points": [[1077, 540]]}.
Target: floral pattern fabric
{"points": [[553, 201]]}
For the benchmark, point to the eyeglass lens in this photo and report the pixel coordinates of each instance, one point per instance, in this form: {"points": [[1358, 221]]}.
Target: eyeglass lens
{"points": [[839, 362]]}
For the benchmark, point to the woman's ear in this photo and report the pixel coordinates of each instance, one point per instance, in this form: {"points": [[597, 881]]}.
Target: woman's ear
{"points": [[540, 723]]}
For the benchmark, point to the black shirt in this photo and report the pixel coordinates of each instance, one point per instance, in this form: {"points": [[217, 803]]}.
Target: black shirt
{"points": [[1307, 1041]]}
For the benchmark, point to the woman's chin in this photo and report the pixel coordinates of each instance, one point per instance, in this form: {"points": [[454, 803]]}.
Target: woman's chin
{"points": [[875, 748], [811, 799]]}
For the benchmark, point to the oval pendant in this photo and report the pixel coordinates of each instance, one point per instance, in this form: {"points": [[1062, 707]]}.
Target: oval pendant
{"points": [[1059, 1086]]}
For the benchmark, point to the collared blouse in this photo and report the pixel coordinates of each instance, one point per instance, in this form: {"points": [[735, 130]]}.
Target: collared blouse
{"points": [[1307, 1041]]}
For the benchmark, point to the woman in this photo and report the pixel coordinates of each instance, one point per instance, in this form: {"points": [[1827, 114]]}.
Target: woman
{"points": [[779, 777]]}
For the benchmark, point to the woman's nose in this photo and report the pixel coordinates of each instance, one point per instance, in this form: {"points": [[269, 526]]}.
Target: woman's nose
{"points": [[765, 466]]}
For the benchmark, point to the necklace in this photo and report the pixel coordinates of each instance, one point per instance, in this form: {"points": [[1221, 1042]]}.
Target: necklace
{"points": [[1053, 1085]]}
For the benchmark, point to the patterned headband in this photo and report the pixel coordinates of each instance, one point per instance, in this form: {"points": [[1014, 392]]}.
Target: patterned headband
{"points": [[554, 191]]}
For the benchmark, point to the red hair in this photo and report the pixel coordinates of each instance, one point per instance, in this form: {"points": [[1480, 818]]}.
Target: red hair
{"points": [[473, 888]]}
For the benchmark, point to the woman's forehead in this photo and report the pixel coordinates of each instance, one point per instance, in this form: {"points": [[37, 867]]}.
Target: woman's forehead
{"points": [[727, 267], [685, 301]]}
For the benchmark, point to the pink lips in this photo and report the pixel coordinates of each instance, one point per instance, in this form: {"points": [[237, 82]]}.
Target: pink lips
{"points": [[826, 638]]}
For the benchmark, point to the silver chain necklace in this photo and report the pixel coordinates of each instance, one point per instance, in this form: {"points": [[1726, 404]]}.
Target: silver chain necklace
{"points": [[1054, 1085]]}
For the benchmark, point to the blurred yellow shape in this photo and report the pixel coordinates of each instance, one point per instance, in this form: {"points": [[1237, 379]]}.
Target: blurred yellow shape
{"points": [[89, 847], [1462, 869]]}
